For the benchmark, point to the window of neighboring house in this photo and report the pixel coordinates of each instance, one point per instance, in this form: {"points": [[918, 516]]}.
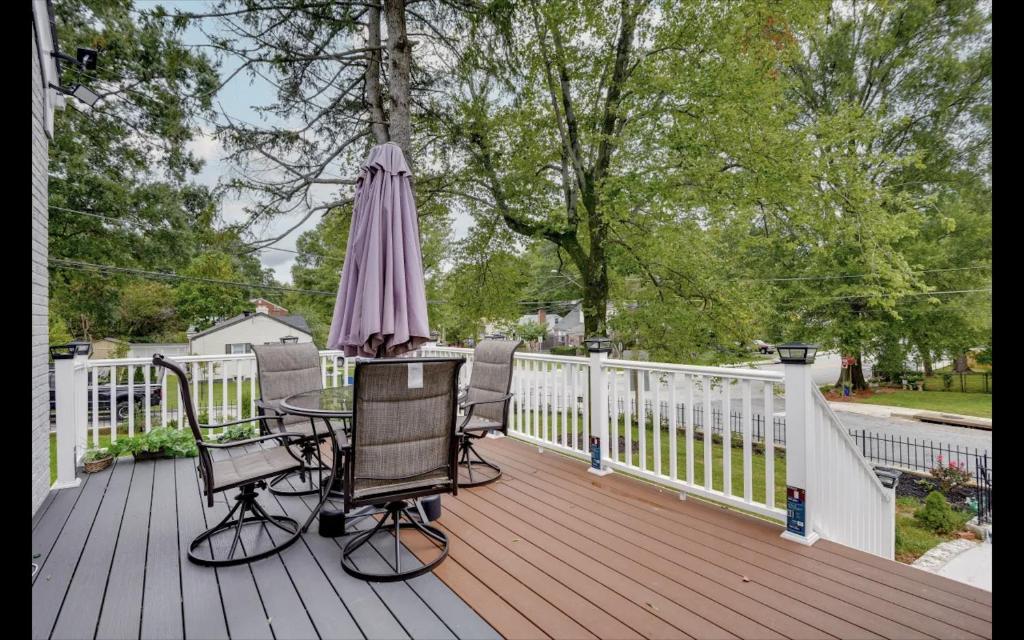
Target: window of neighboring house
{"points": [[239, 347]]}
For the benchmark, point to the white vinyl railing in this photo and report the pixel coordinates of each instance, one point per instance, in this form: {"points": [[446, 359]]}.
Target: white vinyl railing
{"points": [[126, 396], [672, 424], [852, 507], [685, 427]]}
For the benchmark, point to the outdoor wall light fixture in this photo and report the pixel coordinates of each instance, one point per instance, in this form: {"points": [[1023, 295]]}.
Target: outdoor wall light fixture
{"points": [[888, 477], [797, 353], [80, 91], [598, 344], [289, 339]]}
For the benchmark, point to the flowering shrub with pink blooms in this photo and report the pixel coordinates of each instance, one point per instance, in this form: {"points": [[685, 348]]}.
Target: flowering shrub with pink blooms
{"points": [[950, 476]]}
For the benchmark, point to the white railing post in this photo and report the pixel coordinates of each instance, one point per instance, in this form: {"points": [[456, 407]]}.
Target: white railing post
{"points": [[801, 474], [598, 412], [81, 389], [64, 391]]}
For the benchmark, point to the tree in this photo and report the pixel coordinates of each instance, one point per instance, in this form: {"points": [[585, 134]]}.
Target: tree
{"points": [[201, 304], [119, 191], [146, 308]]}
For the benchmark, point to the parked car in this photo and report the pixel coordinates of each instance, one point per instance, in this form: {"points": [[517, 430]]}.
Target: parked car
{"points": [[763, 347], [121, 397]]}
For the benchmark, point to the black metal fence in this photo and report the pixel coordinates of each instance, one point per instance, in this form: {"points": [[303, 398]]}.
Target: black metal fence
{"points": [[983, 489], [914, 454]]}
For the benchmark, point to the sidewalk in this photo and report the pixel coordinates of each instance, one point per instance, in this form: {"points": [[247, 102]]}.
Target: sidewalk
{"points": [[961, 560], [886, 411]]}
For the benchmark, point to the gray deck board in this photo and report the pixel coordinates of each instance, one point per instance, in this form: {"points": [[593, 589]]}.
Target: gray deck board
{"points": [[84, 599], [122, 607], [160, 617], [58, 566], [201, 599], [113, 565]]}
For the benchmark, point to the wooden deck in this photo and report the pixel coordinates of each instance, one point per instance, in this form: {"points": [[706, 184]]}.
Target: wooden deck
{"points": [[547, 551]]}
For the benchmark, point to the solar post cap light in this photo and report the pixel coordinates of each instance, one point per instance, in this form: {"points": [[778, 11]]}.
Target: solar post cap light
{"points": [[598, 344], [797, 352]]}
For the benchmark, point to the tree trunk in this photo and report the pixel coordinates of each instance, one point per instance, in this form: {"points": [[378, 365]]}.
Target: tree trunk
{"points": [[854, 374], [399, 72], [595, 299], [926, 360], [960, 364], [374, 100]]}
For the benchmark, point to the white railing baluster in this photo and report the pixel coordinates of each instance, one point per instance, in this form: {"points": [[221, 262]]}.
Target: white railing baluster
{"points": [[252, 385], [691, 423], [708, 428], [131, 400], [727, 436], [95, 406], [613, 386], [209, 393], [656, 422], [238, 390], [112, 403], [673, 438], [748, 436], [543, 381], [627, 429], [769, 445], [163, 398], [145, 400], [224, 417]]}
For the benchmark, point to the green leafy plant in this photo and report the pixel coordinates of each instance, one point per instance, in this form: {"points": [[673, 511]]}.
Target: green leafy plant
{"points": [[936, 515], [94, 455], [237, 432], [170, 443], [947, 381]]}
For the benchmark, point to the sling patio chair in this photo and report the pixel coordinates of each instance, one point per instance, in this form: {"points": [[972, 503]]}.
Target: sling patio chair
{"points": [[485, 406], [284, 370], [248, 472], [402, 448]]}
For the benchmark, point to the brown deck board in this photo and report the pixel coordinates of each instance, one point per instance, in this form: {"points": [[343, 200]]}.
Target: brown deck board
{"points": [[879, 607]]}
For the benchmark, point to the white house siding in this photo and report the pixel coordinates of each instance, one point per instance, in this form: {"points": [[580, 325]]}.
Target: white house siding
{"points": [[140, 350], [257, 330], [40, 276]]}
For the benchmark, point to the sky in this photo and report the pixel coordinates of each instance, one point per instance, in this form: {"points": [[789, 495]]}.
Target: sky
{"points": [[237, 99]]}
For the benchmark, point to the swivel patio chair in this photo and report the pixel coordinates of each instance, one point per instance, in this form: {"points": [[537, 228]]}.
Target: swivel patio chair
{"points": [[284, 370], [403, 447], [246, 471], [485, 407]]}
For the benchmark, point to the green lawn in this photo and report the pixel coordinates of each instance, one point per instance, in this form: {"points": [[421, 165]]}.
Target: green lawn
{"points": [[203, 396], [970, 404], [913, 540]]}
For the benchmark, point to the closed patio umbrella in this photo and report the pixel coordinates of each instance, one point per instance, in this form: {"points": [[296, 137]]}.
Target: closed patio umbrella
{"points": [[381, 309]]}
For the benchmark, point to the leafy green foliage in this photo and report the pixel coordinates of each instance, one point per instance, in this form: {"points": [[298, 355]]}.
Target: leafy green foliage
{"points": [[94, 455], [170, 443], [937, 516], [237, 432]]}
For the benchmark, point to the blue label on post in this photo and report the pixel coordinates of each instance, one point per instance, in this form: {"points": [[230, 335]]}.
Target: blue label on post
{"points": [[595, 452], [795, 503]]}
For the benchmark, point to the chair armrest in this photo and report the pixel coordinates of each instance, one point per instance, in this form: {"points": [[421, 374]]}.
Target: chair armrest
{"points": [[266, 406], [239, 443], [470, 406]]}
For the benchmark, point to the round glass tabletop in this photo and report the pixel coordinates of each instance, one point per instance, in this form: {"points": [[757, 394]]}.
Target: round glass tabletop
{"points": [[329, 402]]}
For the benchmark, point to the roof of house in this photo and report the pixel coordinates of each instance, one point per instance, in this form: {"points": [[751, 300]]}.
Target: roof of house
{"points": [[296, 322]]}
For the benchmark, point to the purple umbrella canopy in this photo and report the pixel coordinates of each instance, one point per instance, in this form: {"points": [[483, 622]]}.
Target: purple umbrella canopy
{"points": [[381, 308]]}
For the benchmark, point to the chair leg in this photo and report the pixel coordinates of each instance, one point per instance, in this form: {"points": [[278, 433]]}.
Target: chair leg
{"points": [[235, 520], [395, 512], [308, 451], [466, 462]]}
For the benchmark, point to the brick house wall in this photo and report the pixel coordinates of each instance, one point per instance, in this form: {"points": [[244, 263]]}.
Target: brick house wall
{"points": [[43, 103]]}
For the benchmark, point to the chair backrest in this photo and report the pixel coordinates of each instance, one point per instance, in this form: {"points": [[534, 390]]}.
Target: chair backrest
{"points": [[287, 369], [403, 424], [206, 463], [492, 378]]}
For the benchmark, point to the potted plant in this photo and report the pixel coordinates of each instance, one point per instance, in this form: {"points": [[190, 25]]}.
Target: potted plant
{"points": [[97, 460], [157, 443]]}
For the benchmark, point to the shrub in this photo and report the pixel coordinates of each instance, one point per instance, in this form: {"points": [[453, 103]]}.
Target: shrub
{"points": [[950, 476], [564, 350], [936, 514], [947, 381]]}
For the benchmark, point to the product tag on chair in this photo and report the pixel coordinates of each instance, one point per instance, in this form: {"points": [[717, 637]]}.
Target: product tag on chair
{"points": [[416, 375]]}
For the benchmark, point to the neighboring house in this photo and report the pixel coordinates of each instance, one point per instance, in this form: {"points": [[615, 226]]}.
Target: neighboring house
{"points": [[266, 306], [238, 334], [106, 348], [44, 100], [149, 349]]}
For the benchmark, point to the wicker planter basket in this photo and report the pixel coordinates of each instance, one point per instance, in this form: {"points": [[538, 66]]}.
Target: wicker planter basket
{"points": [[98, 465]]}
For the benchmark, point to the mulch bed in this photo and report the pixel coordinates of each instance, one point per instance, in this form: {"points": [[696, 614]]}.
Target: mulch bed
{"points": [[910, 485]]}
